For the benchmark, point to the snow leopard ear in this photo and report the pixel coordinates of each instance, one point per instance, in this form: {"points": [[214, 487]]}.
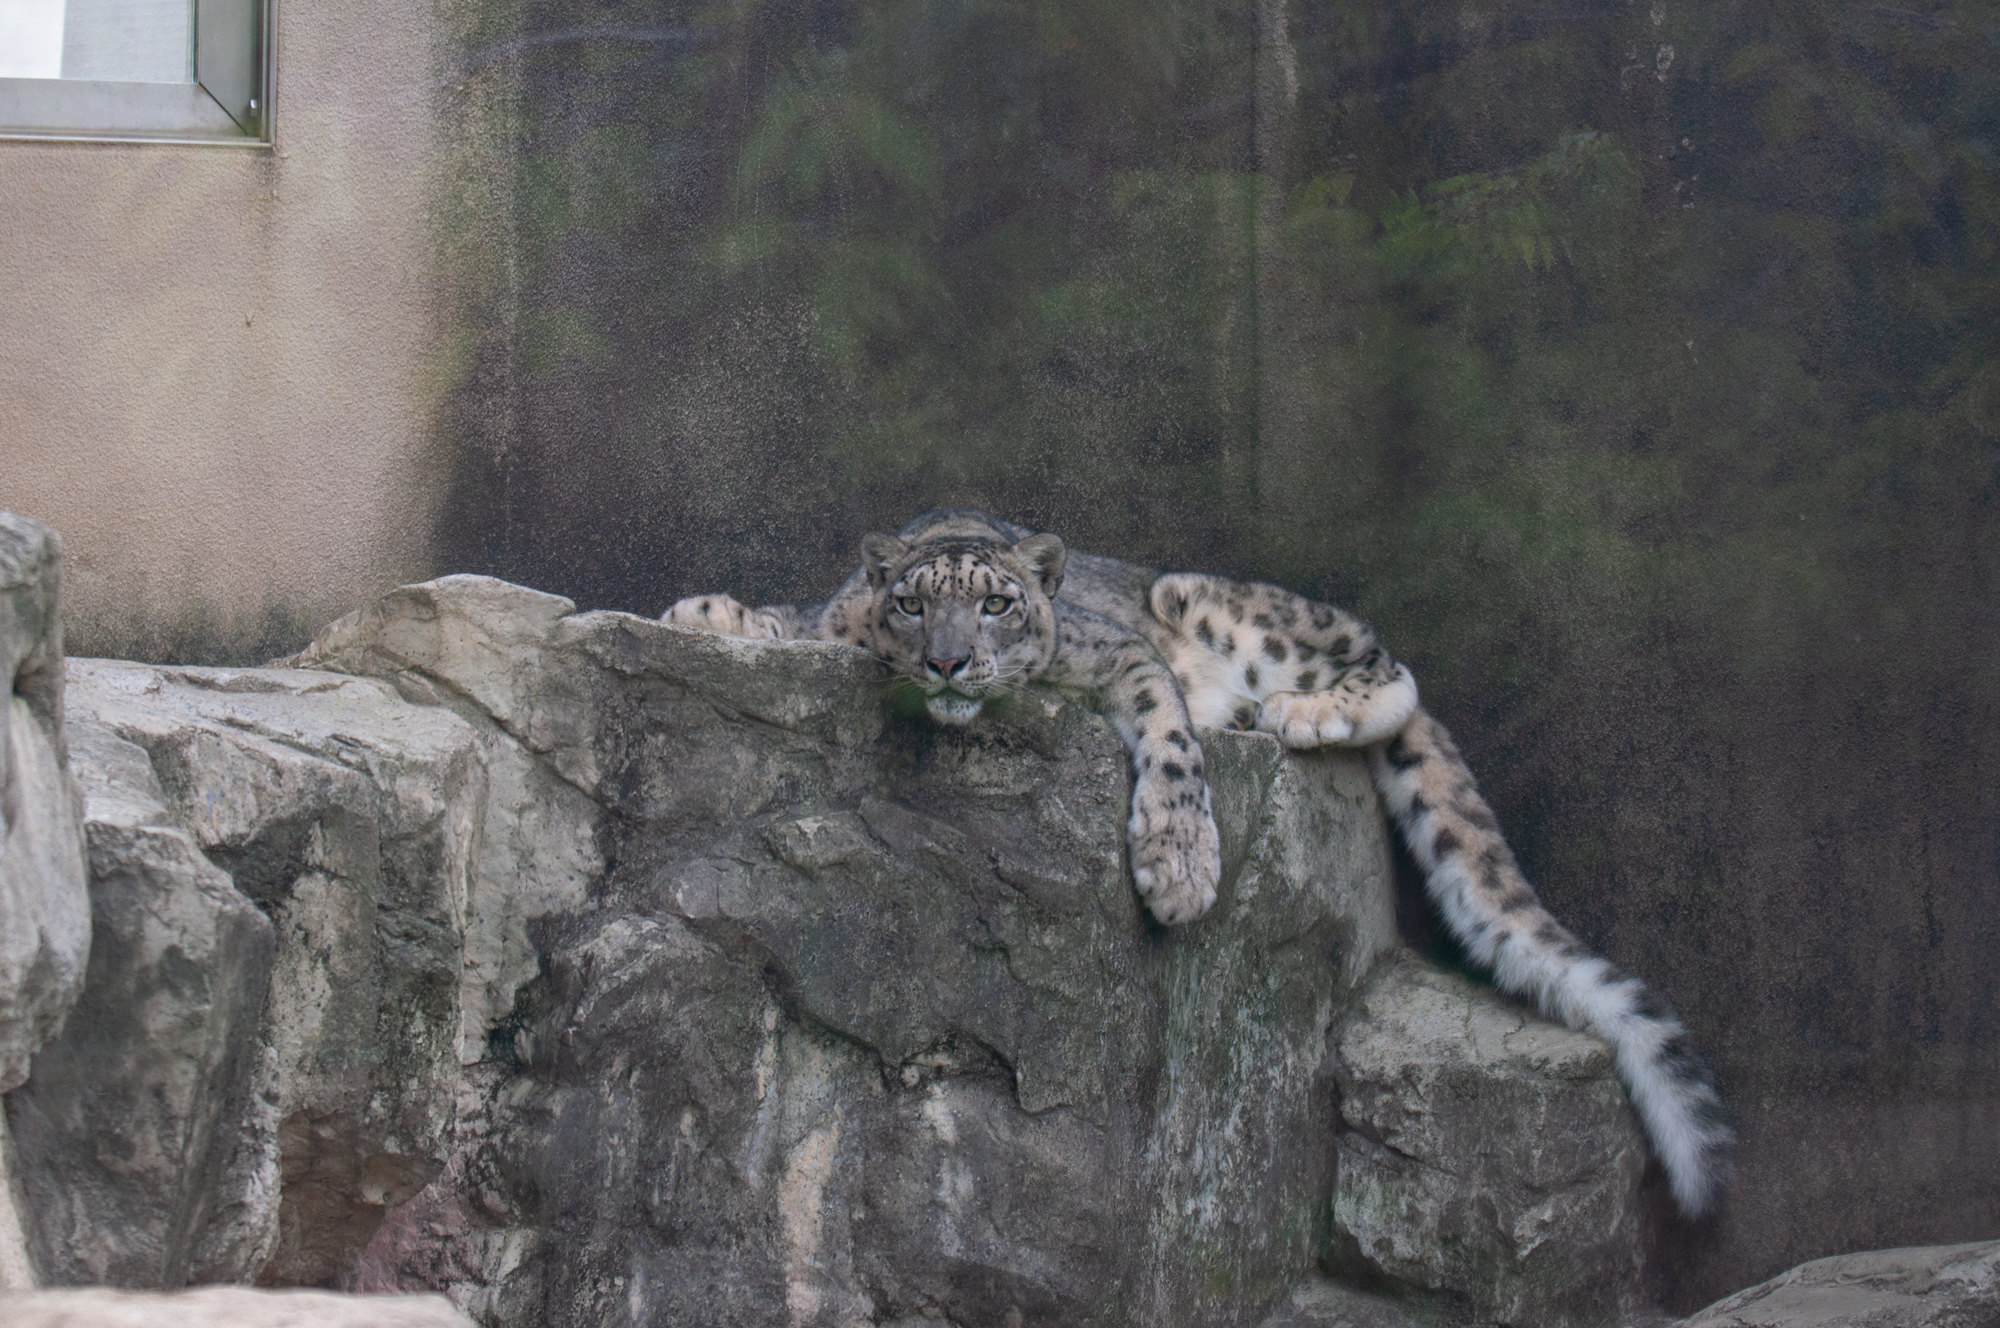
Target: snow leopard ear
{"points": [[878, 552], [1044, 553]]}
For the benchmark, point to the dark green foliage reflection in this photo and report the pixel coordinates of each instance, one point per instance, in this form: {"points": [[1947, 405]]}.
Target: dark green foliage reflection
{"points": [[1634, 365]]}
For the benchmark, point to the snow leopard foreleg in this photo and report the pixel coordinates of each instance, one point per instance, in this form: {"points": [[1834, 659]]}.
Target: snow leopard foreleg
{"points": [[724, 614], [1176, 852]]}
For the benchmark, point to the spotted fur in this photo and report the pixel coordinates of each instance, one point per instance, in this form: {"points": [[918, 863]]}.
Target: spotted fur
{"points": [[966, 605]]}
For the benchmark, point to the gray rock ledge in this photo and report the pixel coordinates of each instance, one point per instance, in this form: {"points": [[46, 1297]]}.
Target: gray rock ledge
{"points": [[224, 1307], [1934, 1286]]}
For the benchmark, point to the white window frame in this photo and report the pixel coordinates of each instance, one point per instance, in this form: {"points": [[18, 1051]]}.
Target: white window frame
{"points": [[228, 104]]}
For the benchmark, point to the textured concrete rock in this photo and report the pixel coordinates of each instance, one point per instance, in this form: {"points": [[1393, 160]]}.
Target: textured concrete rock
{"points": [[1934, 1286], [44, 903], [1485, 1154], [132, 1117], [861, 1019], [225, 1307], [347, 815], [17, 1270]]}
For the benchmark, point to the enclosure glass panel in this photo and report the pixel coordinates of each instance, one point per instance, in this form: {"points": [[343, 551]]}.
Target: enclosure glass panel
{"points": [[1636, 367]]}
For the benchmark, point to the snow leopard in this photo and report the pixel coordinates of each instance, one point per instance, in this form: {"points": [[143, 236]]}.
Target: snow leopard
{"points": [[966, 607]]}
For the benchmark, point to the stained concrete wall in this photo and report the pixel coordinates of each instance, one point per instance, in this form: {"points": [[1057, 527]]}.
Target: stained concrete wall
{"points": [[217, 363]]}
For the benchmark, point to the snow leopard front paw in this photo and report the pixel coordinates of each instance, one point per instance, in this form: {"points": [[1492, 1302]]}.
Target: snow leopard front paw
{"points": [[1176, 852], [721, 613], [1354, 714]]}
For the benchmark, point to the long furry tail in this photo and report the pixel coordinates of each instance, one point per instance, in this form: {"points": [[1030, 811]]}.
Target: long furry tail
{"points": [[1493, 911]]}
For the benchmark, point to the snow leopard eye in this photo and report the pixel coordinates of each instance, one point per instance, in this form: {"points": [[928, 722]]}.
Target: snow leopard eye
{"points": [[911, 605], [997, 605]]}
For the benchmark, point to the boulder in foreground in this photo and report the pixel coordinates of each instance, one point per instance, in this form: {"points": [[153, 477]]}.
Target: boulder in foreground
{"points": [[1932, 1286], [224, 1307]]}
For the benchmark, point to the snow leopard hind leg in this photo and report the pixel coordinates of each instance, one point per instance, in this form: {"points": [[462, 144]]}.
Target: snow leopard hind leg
{"points": [[724, 615], [1252, 655]]}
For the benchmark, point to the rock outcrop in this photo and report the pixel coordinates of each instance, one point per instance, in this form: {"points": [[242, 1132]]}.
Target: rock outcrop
{"points": [[1485, 1154], [1321, 1302], [254, 831], [592, 970], [861, 1020], [133, 1119], [44, 903]]}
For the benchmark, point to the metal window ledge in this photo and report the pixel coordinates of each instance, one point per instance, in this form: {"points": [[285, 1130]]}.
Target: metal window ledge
{"points": [[90, 109]]}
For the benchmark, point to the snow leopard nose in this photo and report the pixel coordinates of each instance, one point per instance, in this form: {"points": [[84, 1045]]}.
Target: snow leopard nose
{"points": [[946, 667]]}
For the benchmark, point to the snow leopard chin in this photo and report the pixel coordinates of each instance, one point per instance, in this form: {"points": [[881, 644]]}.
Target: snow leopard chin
{"points": [[951, 708]]}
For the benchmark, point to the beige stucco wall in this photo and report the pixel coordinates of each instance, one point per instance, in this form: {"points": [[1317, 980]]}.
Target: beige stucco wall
{"points": [[217, 364]]}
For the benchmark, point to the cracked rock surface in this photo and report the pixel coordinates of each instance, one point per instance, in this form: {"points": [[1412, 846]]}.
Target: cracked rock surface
{"points": [[279, 866], [224, 1307], [44, 899], [134, 1117]]}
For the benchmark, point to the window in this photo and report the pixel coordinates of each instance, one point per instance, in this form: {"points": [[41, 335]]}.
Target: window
{"points": [[191, 70]]}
